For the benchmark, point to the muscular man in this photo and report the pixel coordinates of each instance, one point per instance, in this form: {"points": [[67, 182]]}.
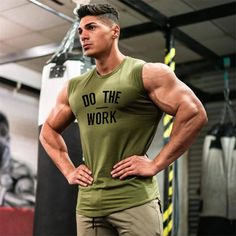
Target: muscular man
{"points": [[118, 105]]}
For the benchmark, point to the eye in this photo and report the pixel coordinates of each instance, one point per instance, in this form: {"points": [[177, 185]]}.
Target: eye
{"points": [[91, 27]]}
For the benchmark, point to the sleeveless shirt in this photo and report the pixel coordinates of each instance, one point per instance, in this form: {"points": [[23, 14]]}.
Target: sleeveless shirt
{"points": [[117, 119]]}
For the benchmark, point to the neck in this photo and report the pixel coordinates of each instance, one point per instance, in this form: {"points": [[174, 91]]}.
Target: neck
{"points": [[107, 63]]}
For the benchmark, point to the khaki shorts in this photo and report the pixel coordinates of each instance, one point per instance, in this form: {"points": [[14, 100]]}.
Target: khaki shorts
{"points": [[144, 220]]}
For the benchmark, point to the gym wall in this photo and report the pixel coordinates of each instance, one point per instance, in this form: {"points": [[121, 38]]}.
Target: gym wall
{"points": [[19, 166], [22, 113]]}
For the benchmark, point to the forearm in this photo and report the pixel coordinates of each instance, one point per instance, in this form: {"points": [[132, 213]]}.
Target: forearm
{"points": [[56, 148], [185, 130]]}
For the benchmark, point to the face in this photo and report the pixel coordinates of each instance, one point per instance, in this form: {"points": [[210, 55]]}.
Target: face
{"points": [[96, 36]]}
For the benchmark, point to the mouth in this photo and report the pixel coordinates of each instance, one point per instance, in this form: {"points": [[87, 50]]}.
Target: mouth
{"points": [[86, 46]]}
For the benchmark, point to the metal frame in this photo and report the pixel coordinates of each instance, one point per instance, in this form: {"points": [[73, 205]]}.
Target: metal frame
{"points": [[207, 14], [183, 70], [31, 53], [211, 60], [164, 22], [49, 9]]}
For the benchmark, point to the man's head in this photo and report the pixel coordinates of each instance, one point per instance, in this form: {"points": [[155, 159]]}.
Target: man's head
{"points": [[103, 11], [99, 29]]}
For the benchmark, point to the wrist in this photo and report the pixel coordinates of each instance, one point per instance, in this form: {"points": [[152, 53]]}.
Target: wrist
{"points": [[157, 165], [67, 173]]}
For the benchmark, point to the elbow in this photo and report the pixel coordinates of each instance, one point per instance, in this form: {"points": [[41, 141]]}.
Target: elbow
{"points": [[197, 115], [204, 117], [201, 116], [205, 120]]}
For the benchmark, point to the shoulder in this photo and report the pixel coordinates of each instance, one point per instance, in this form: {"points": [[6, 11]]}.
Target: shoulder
{"points": [[158, 74], [156, 69], [134, 66], [135, 62]]}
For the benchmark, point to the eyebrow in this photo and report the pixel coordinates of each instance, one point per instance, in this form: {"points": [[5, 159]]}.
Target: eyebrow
{"points": [[90, 23]]}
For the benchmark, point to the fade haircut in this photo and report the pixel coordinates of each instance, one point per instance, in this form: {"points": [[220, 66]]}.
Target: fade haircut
{"points": [[103, 11]]}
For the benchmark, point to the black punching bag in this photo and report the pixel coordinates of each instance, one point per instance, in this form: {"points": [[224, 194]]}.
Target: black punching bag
{"points": [[55, 198]]}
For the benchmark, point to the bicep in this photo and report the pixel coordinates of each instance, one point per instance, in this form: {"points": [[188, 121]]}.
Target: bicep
{"points": [[166, 90], [61, 115]]}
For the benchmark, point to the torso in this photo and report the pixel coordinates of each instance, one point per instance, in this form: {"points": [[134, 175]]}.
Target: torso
{"points": [[116, 120]]}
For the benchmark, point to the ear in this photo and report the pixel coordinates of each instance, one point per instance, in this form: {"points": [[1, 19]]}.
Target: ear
{"points": [[116, 31]]}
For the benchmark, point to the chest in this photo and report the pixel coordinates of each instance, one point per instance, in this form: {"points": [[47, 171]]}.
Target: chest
{"points": [[111, 93]]}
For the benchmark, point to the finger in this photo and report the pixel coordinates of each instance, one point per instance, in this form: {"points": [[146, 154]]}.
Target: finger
{"points": [[122, 172], [117, 174], [86, 169], [121, 167], [81, 183], [126, 174], [84, 180], [122, 162], [86, 177]]}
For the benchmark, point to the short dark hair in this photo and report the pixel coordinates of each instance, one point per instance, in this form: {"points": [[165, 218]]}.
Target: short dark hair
{"points": [[101, 10]]}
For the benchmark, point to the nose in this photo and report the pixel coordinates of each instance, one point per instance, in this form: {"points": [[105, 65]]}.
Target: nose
{"points": [[83, 36]]}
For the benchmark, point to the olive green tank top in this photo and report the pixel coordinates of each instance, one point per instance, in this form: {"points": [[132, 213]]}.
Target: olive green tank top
{"points": [[116, 120]]}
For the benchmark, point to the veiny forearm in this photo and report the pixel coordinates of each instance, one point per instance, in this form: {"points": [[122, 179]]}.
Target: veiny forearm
{"points": [[187, 125], [56, 148]]}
